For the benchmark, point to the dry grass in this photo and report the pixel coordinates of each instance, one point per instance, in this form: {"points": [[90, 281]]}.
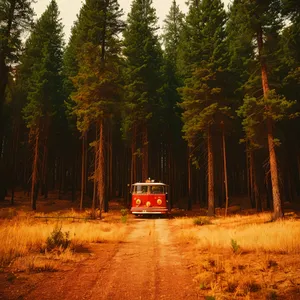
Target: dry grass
{"points": [[247, 277], [78, 216], [265, 264], [35, 264], [25, 235], [251, 233]]}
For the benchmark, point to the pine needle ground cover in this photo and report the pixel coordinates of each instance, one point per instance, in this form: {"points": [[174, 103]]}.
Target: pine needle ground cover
{"points": [[243, 257]]}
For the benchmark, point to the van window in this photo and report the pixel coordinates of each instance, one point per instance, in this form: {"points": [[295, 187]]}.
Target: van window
{"points": [[157, 189], [140, 189]]}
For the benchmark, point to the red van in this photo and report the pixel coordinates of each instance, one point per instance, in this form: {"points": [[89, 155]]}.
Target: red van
{"points": [[149, 198]]}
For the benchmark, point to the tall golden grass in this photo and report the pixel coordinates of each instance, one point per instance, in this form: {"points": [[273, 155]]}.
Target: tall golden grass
{"points": [[251, 233], [20, 237], [265, 266]]}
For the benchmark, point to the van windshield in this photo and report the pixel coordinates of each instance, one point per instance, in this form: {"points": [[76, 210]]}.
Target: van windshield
{"points": [[151, 189], [140, 189], [157, 189]]}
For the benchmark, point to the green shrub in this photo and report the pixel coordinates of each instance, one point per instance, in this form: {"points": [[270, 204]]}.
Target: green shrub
{"points": [[232, 286], [272, 295], [202, 286], [251, 287], [124, 213], [58, 239], [11, 277], [235, 246]]}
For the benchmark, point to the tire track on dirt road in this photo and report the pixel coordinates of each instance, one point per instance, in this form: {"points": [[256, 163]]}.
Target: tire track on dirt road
{"points": [[146, 266]]}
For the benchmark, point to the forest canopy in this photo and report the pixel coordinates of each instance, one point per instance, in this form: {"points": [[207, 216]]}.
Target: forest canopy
{"points": [[209, 104]]}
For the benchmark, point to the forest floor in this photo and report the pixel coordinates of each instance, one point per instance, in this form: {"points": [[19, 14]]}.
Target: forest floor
{"points": [[160, 258]]}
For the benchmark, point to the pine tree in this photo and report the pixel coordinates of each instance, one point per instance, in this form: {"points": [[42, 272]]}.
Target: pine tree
{"points": [[261, 21], [70, 70], [242, 78], [143, 82], [96, 84], [172, 141], [15, 18], [44, 55], [172, 32], [203, 93]]}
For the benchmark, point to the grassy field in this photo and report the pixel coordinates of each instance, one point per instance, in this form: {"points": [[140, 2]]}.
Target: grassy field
{"points": [[238, 257], [40, 241], [243, 257]]}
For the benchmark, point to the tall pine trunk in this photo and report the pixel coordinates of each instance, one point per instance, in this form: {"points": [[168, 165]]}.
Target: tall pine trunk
{"points": [[3, 82], [83, 167], [254, 187], [44, 187], [95, 175], [101, 167], [250, 161], [34, 176], [189, 179], [210, 175], [225, 169], [110, 152], [277, 206], [4, 71], [108, 179], [133, 157], [44, 190], [15, 144], [145, 145]]}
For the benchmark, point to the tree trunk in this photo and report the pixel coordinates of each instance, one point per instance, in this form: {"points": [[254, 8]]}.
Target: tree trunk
{"points": [[126, 175], [298, 169], [254, 186], [83, 166], [34, 185], [108, 179], [145, 147], [250, 174], [101, 168], [15, 144], [189, 179], [277, 206], [110, 148], [73, 184], [61, 179], [3, 83], [44, 188], [225, 169], [4, 71], [95, 175], [210, 171], [133, 157]]}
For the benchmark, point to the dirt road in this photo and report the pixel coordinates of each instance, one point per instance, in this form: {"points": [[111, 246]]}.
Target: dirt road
{"points": [[147, 265]]}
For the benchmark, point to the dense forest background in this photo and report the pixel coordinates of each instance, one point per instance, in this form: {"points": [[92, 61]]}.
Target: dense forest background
{"points": [[209, 107]]}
